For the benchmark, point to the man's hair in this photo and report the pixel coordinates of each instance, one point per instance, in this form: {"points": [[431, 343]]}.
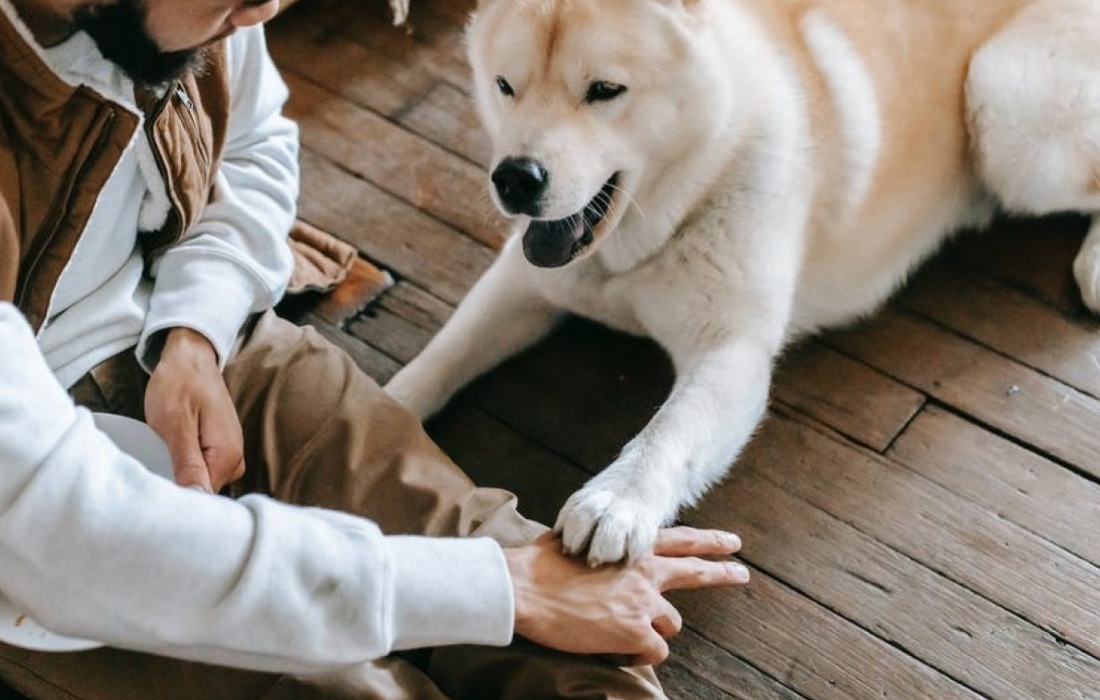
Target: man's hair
{"points": [[121, 32]]}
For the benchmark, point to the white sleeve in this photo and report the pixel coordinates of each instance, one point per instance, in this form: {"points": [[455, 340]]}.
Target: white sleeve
{"points": [[235, 260], [95, 546]]}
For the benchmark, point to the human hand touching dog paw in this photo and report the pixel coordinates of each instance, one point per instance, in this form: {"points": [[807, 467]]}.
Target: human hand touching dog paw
{"points": [[617, 611]]}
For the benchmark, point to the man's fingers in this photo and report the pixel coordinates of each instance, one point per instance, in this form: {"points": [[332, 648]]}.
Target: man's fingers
{"points": [[188, 465], [668, 621], [224, 463], [191, 474], [654, 652], [692, 572], [691, 542], [222, 469], [222, 444]]}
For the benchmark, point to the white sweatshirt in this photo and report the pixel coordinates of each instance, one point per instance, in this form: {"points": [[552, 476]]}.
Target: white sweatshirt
{"points": [[94, 546]]}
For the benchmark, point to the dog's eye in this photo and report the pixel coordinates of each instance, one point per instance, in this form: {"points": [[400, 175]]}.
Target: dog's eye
{"points": [[505, 88], [603, 91]]}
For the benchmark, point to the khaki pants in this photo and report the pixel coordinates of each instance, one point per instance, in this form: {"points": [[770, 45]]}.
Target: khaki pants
{"points": [[319, 432]]}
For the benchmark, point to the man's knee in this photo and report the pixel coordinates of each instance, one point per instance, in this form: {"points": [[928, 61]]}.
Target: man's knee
{"points": [[291, 385]]}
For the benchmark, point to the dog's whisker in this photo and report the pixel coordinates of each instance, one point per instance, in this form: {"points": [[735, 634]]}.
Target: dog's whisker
{"points": [[631, 201], [488, 209]]}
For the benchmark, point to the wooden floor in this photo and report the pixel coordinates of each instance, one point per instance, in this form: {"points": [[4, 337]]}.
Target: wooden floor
{"points": [[920, 511]]}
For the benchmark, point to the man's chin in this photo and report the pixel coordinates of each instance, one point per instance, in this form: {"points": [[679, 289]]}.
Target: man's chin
{"points": [[165, 68], [119, 31]]}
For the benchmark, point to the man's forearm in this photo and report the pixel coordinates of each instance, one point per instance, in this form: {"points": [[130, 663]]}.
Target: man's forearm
{"points": [[95, 546]]}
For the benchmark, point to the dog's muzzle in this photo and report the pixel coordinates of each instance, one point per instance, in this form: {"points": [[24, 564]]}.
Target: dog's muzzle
{"points": [[555, 243]]}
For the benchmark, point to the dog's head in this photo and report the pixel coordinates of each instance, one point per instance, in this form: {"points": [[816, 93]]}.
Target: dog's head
{"points": [[587, 103]]}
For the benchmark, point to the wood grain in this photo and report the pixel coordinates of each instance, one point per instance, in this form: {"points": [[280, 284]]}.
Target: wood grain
{"points": [[389, 232], [1004, 478], [1036, 409], [850, 397], [1010, 322], [881, 586], [446, 116], [420, 173], [926, 522]]}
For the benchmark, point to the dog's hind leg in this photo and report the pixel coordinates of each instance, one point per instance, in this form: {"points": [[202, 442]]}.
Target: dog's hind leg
{"points": [[1033, 102], [502, 315]]}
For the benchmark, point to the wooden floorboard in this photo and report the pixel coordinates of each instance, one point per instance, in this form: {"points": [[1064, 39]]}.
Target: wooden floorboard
{"points": [[996, 390], [1004, 478], [1065, 347], [920, 508], [856, 400], [409, 168]]}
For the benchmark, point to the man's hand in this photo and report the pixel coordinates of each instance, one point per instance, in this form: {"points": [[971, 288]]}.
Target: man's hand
{"points": [[188, 405], [616, 609]]}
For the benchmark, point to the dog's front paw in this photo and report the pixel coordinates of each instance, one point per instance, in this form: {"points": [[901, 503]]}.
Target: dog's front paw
{"points": [[611, 526], [1086, 268]]}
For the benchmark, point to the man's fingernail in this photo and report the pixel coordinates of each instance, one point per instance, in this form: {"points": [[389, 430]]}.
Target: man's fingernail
{"points": [[739, 572], [732, 541], [201, 489]]}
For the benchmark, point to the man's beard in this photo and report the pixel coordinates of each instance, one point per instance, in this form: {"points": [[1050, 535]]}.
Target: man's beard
{"points": [[120, 32]]}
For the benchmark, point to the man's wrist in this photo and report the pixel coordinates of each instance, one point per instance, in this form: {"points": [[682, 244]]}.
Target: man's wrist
{"points": [[519, 570], [187, 344]]}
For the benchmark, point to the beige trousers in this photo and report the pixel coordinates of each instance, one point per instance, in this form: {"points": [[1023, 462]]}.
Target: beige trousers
{"points": [[319, 432]]}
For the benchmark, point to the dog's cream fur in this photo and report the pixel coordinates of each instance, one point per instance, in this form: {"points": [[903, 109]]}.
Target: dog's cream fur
{"points": [[784, 164]]}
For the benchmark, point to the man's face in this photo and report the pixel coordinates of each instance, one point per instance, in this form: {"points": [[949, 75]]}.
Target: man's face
{"points": [[156, 41]]}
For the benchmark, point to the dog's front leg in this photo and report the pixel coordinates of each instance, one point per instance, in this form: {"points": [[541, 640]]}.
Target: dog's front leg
{"points": [[503, 314], [715, 405]]}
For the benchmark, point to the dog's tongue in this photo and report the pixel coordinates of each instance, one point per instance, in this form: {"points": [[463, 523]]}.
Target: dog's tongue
{"points": [[552, 243]]}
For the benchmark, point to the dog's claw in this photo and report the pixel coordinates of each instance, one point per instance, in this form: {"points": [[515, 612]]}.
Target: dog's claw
{"points": [[607, 527]]}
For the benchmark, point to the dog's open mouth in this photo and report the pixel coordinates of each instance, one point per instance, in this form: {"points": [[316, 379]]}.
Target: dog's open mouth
{"points": [[555, 243]]}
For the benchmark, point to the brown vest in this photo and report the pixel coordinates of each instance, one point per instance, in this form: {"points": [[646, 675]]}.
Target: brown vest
{"points": [[59, 145]]}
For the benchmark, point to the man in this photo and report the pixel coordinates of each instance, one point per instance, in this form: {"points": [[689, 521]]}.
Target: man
{"points": [[147, 181]]}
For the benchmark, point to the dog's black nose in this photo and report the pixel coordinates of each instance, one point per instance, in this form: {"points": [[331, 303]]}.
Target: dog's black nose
{"points": [[520, 183]]}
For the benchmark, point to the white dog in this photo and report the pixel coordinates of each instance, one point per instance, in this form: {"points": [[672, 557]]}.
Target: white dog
{"points": [[728, 175]]}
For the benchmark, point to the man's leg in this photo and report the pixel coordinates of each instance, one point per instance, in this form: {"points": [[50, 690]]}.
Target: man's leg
{"points": [[319, 432], [329, 436]]}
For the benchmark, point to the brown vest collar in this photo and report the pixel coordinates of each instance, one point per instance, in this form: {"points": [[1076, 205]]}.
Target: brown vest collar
{"points": [[35, 88]]}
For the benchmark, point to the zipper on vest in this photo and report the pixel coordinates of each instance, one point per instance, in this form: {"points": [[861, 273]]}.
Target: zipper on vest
{"points": [[158, 158], [183, 97], [63, 203], [191, 123]]}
